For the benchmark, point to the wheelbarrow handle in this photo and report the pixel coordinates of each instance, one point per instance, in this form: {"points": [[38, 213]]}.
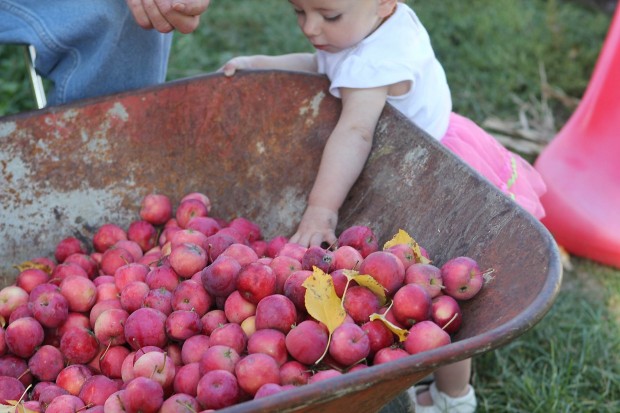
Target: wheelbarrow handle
{"points": [[35, 79]]}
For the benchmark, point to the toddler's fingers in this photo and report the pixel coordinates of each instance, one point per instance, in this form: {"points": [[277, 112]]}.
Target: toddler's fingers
{"points": [[229, 69]]}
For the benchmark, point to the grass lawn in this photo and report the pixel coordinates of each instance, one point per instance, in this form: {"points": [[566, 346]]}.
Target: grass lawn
{"points": [[509, 59]]}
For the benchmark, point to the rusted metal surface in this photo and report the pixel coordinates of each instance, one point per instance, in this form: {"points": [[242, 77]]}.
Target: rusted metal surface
{"points": [[253, 143]]}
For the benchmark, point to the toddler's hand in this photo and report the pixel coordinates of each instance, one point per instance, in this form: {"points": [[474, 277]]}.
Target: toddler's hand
{"points": [[318, 225], [236, 63]]}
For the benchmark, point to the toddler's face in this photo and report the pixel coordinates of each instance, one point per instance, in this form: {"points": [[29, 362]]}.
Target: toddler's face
{"points": [[334, 25]]}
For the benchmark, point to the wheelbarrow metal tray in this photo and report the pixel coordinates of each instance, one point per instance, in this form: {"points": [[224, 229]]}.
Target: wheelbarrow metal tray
{"points": [[253, 144]]}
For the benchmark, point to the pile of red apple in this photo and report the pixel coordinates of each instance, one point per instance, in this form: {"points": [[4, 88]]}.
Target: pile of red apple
{"points": [[185, 312]]}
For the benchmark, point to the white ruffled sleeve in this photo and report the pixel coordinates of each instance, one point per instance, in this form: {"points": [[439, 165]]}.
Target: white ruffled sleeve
{"points": [[360, 73]]}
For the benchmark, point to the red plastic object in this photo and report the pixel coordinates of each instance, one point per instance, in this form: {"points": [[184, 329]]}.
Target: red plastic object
{"points": [[581, 165]]}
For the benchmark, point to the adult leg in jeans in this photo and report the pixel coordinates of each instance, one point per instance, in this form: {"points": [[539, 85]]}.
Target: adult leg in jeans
{"points": [[86, 48]]}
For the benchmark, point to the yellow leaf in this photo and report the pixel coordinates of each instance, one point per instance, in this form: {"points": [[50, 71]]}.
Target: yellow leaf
{"points": [[400, 332], [369, 282], [402, 237], [31, 264], [322, 302], [399, 238], [8, 408], [14, 406]]}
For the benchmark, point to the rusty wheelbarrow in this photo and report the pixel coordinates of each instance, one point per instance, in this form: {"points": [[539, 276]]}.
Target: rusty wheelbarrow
{"points": [[253, 144]]}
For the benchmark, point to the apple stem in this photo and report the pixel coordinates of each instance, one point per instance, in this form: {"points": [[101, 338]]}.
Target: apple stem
{"points": [[102, 356], [23, 374], [23, 395], [486, 275], [329, 339], [85, 407], [344, 293], [450, 322], [187, 406]]}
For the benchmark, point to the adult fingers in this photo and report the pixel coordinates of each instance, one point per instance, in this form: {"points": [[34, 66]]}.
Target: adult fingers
{"points": [[156, 12], [190, 7], [139, 14]]}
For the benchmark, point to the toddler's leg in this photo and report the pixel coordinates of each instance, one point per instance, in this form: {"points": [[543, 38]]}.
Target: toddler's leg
{"points": [[450, 392]]}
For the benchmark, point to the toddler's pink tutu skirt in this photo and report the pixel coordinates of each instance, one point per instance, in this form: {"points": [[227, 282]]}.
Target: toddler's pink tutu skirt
{"points": [[508, 171]]}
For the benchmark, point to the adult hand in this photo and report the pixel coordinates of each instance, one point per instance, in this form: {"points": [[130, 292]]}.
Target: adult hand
{"points": [[168, 15]]}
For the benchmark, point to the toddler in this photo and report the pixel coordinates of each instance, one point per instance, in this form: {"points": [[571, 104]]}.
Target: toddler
{"points": [[373, 52]]}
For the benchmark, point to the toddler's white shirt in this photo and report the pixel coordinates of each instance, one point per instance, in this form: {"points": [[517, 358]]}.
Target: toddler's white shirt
{"points": [[399, 50]]}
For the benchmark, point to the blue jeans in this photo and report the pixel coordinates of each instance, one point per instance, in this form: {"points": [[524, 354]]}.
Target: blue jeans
{"points": [[86, 48]]}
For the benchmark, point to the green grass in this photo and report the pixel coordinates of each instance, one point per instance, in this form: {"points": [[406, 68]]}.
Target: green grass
{"points": [[492, 51]]}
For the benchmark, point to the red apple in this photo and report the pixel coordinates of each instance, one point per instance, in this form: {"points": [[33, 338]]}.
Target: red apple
{"points": [[316, 256], [256, 281], [249, 230], [283, 267], [142, 233], [213, 319], [275, 244], [30, 278], [220, 277], [11, 297], [217, 389], [462, 278], [237, 308], [231, 335], [187, 259], [79, 345], [411, 304], [110, 327], [427, 276], [107, 235], [143, 394], [111, 361], [307, 342], [346, 257], [72, 378], [388, 354], [85, 261], [162, 276], [156, 209], [23, 336], [386, 268], [68, 246], [244, 254], [359, 302], [254, 370], [424, 336], [360, 237], [183, 324], [80, 292], [271, 342], [144, 327], [188, 209], [295, 373], [181, 403], [349, 344], [191, 295], [219, 357], [46, 363], [446, 313], [133, 294], [276, 311], [97, 388], [156, 366]]}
